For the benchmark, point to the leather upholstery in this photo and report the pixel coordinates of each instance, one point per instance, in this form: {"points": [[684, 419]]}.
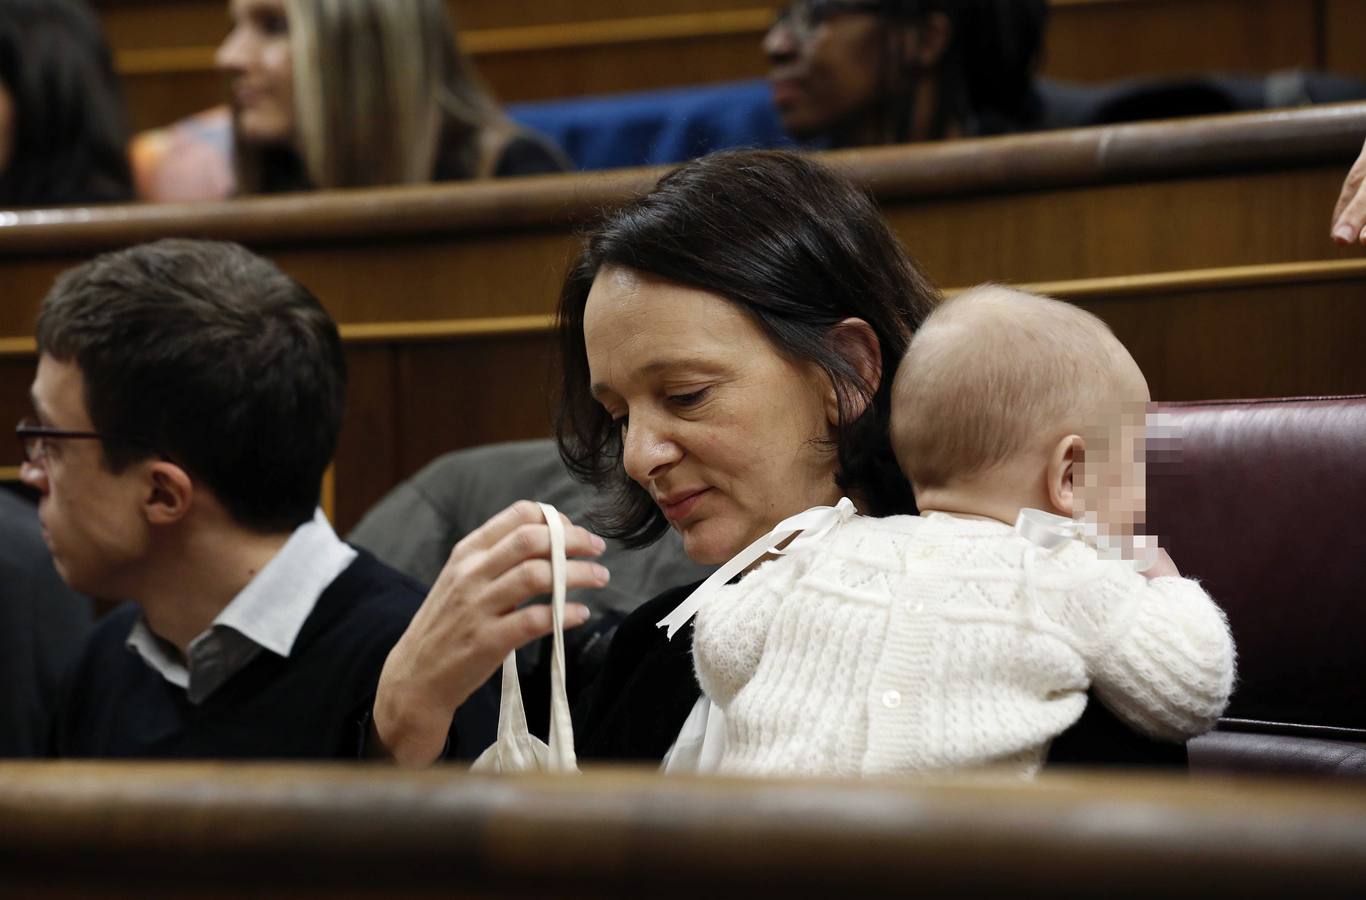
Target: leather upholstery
{"points": [[1265, 506], [1276, 754]]}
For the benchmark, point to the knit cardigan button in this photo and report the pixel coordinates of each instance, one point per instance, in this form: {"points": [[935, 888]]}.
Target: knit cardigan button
{"points": [[891, 699]]}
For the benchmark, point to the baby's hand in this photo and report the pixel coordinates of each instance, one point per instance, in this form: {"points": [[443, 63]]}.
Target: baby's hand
{"points": [[1162, 567]]}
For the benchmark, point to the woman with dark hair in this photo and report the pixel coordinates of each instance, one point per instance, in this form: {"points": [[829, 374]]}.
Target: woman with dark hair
{"points": [[729, 342], [849, 73], [63, 138]]}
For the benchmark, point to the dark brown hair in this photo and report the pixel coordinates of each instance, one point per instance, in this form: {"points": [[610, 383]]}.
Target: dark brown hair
{"points": [[797, 248], [210, 355], [986, 77], [70, 136]]}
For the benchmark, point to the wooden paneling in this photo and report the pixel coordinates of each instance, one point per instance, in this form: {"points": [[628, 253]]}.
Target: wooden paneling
{"points": [[1344, 35], [539, 74], [546, 49], [1258, 331], [1153, 226], [296, 831], [444, 293], [481, 14], [1153, 197], [157, 97], [1098, 40], [371, 438]]}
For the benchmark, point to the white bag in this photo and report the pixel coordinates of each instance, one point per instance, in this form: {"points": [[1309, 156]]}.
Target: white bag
{"points": [[516, 749]]}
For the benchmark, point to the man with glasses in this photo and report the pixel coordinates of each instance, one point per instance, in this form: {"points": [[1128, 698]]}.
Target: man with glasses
{"points": [[187, 401], [849, 73]]}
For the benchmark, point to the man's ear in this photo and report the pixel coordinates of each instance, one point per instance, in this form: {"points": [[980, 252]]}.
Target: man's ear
{"points": [[170, 493], [855, 340], [1063, 464]]}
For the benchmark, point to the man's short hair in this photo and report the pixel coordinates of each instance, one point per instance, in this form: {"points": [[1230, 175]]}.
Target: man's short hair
{"points": [[993, 371], [208, 354]]}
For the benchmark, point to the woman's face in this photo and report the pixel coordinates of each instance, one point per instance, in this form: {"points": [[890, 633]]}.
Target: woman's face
{"points": [[726, 434], [824, 65], [256, 56]]}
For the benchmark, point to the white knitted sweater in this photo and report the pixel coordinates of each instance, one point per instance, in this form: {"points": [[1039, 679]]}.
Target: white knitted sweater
{"points": [[909, 644]]}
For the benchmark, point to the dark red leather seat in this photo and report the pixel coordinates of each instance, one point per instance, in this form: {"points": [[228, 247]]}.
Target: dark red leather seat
{"points": [[1265, 503]]}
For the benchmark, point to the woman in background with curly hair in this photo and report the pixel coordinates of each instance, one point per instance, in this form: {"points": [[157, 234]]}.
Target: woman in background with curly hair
{"points": [[849, 73]]}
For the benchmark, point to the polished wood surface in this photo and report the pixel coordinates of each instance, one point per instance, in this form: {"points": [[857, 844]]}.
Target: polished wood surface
{"points": [[545, 48], [445, 294], [221, 830], [1100, 41], [1344, 37]]}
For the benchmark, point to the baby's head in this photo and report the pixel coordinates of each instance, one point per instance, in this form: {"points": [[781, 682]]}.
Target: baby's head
{"points": [[1007, 400]]}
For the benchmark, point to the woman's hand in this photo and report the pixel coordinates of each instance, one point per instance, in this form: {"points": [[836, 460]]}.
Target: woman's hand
{"points": [[1349, 216], [470, 622]]}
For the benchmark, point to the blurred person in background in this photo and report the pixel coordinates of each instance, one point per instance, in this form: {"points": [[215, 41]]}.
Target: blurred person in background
{"points": [[351, 93], [43, 626], [63, 135], [848, 73]]}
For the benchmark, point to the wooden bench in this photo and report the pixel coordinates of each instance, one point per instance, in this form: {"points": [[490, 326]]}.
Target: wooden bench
{"points": [[226, 830], [537, 49], [445, 294]]}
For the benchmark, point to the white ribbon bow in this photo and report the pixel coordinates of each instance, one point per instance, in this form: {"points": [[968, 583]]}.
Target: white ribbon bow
{"points": [[814, 524], [1049, 532], [1046, 529]]}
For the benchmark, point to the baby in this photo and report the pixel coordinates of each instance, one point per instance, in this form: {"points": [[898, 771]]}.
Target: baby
{"points": [[969, 635]]}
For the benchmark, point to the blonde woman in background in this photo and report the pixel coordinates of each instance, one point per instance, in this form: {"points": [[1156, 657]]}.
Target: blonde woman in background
{"points": [[352, 93]]}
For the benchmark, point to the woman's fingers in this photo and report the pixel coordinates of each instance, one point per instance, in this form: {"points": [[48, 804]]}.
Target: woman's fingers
{"points": [[533, 622], [470, 622], [523, 512], [533, 577], [532, 541]]}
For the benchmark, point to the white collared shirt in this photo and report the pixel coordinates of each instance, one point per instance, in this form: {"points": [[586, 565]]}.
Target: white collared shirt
{"points": [[266, 615]]}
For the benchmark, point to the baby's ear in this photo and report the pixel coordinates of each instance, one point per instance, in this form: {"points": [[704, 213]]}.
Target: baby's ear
{"points": [[1063, 465]]}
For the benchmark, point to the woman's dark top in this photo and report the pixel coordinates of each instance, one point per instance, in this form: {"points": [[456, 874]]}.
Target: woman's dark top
{"points": [[634, 709], [529, 154], [525, 153]]}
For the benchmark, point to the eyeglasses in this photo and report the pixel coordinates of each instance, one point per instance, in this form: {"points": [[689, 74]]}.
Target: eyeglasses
{"points": [[804, 16], [33, 439]]}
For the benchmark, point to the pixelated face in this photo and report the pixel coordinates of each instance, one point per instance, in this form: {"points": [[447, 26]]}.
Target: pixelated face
{"points": [[1110, 483], [92, 518], [726, 434], [257, 58]]}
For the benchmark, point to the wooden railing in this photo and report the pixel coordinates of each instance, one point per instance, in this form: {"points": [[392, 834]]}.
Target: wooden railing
{"points": [[1203, 243], [178, 830], [536, 50]]}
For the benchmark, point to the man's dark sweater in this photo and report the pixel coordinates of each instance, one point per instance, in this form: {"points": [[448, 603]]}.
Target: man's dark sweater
{"points": [[313, 705]]}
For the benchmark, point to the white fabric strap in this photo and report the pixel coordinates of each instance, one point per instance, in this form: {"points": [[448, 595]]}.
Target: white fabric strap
{"points": [[516, 749], [700, 743], [561, 726], [1045, 529], [1050, 531], [813, 524]]}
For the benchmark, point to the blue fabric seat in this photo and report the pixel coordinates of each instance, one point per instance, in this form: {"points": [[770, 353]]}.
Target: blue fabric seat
{"points": [[657, 127]]}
